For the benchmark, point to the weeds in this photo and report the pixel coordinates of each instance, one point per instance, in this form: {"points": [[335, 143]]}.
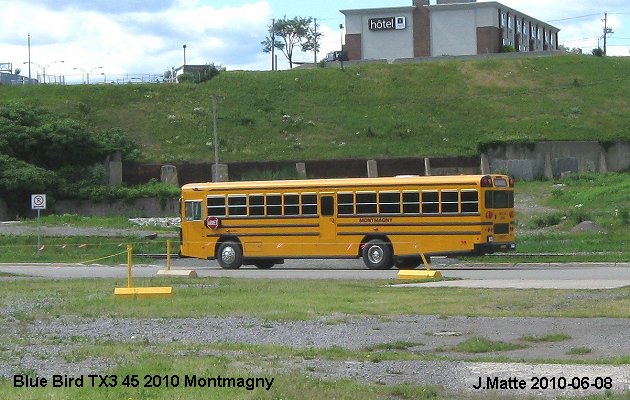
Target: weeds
{"points": [[552, 337], [483, 345]]}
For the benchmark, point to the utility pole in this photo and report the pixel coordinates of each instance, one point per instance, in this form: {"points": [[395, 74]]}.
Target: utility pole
{"points": [[607, 30], [29, 59], [273, 43], [315, 44], [216, 136]]}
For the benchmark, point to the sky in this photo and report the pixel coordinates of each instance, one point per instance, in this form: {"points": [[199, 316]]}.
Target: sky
{"points": [[114, 37]]}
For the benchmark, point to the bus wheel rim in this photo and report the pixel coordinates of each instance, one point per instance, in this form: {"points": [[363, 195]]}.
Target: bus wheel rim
{"points": [[228, 255], [375, 254]]}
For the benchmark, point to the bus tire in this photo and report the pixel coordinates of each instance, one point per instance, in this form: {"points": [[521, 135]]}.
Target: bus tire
{"points": [[407, 262], [230, 255], [377, 254]]}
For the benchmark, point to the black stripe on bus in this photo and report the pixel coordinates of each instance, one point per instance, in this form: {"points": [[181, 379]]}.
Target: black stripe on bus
{"points": [[368, 224], [437, 233], [261, 234], [272, 226]]}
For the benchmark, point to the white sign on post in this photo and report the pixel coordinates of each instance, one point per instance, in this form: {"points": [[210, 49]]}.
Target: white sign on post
{"points": [[38, 202]]}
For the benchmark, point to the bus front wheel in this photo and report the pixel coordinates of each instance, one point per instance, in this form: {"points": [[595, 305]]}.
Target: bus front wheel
{"points": [[377, 254], [230, 255]]}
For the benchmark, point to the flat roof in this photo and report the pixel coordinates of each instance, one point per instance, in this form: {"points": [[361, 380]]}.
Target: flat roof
{"points": [[454, 6], [383, 10], [486, 4]]}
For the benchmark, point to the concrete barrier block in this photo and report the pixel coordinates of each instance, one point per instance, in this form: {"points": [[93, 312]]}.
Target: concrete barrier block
{"points": [[372, 169], [220, 173], [169, 175], [182, 273], [301, 169]]}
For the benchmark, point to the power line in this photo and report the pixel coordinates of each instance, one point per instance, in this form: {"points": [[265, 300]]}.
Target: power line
{"points": [[569, 18], [579, 40]]}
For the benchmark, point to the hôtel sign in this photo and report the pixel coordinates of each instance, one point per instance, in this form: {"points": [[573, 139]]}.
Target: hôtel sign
{"points": [[386, 23]]}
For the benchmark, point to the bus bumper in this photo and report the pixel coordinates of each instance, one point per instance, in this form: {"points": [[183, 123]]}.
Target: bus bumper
{"points": [[489, 248]]}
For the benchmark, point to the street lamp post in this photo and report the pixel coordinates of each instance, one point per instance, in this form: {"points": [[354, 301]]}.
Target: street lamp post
{"points": [[87, 74], [42, 67], [341, 36], [184, 46]]}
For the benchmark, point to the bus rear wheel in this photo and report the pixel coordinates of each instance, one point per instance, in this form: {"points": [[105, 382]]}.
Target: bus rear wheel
{"points": [[230, 255], [377, 254], [407, 262]]}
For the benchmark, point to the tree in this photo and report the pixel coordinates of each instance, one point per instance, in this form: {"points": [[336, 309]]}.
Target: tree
{"points": [[199, 75], [285, 34], [42, 152], [598, 52]]}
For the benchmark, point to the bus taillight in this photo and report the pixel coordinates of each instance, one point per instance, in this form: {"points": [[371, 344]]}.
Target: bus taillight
{"points": [[486, 181], [511, 181], [489, 214]]}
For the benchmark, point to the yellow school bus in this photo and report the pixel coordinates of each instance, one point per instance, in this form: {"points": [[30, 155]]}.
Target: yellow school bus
{"points": [[392, 221]]}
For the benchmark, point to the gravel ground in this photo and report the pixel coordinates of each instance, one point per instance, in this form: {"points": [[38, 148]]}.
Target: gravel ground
{"points": [[43, 347], [52, 340]]}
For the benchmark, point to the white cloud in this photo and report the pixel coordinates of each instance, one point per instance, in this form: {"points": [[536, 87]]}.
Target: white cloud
{"points": [[133, 41]]}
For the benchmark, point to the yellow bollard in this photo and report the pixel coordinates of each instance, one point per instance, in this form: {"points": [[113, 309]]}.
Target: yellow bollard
{"points": [[131, 291], [129, 261], [187, 273], [168, 254], [427, 273]]}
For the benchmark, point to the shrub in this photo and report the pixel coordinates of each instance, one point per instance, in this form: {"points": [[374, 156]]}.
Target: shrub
{"points": [[508, 48], [203, 74], [543, 221]]}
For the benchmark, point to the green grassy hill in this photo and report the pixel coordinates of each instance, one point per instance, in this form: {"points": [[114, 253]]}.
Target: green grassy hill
{"points": [[426, 109]]}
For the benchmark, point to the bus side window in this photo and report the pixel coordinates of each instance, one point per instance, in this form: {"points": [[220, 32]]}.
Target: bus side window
{"points": [[327, 206], [430, 202], [470, 201], [256, 205], [309, 204], [291, 204], [193, 210], [274, 204], [216, 206]]}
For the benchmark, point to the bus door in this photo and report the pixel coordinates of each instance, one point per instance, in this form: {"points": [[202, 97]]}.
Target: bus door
{"points": [[192, 229], [327, 221]]}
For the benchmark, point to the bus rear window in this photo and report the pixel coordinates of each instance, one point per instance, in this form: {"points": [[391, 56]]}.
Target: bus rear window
{"points": [[499, 199]]}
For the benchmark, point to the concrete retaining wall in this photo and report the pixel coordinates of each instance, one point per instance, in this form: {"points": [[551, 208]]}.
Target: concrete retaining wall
{"points": [[553, 159], [341, 168], [136, 208], [4, 212]]}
